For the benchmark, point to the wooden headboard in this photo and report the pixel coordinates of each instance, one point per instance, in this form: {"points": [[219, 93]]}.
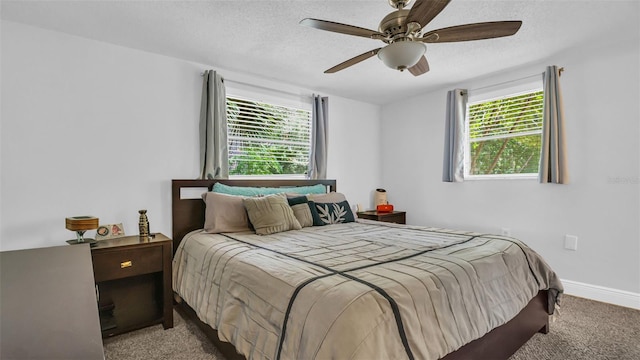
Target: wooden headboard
{"points": [[188, 213]]}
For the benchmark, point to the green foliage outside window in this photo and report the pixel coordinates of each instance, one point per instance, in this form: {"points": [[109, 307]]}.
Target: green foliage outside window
{"points": [[505, 135], [267, 139]]}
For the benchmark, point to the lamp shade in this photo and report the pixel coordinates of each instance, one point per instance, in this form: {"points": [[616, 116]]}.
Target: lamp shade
{"points": [[402, 55], [80, 223]]}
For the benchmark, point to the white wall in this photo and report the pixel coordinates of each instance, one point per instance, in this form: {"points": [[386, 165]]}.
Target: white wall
{"points": [[97, 129], [92, 128], [600, 205], [354, 152]]}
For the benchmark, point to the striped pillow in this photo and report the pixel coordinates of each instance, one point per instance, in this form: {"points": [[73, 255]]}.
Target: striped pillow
{"points": [[301, 210], [271, 214]]}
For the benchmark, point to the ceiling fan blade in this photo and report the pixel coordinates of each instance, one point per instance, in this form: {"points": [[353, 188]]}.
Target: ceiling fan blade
{"points": [[478, 31], [352, 61], [340, 28], [423, 11], [420, 68]]}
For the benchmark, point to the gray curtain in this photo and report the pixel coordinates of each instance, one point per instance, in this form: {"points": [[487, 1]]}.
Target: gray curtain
{"points": [[214, 154], [319, 135], [553, 154], [453, 164]]}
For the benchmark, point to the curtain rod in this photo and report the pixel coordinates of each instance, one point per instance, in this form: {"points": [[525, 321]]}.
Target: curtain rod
{"points": [[560, 70], [261, 87]]}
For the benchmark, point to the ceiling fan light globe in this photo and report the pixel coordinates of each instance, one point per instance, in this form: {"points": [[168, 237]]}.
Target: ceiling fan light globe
{"points": [[402, 55]]}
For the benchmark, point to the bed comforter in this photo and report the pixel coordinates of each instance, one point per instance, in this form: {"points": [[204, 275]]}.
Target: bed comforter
{"points": [[363, 290]]}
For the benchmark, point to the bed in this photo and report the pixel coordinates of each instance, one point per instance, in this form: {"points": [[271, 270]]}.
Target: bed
{"points": [[358, 290]]}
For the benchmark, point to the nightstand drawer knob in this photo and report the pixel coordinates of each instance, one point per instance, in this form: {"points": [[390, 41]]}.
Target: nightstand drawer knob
{"points": [[126, 264]]}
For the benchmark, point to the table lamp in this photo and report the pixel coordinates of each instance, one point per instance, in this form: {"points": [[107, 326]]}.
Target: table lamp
{"points": [[80, 224]]}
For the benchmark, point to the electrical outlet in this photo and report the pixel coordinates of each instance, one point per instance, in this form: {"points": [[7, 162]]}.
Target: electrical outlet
{"points": [[571, 242], [506, 232]]}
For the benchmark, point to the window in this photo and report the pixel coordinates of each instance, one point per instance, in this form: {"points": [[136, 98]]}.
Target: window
{"points": [[504, 135], [267, 139]]}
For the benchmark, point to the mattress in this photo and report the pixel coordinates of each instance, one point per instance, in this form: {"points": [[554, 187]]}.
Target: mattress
{"points": [[361, 290]]}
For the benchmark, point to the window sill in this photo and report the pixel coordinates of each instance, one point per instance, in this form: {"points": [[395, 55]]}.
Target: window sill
{"points": [[266, 177], [501, 177]]}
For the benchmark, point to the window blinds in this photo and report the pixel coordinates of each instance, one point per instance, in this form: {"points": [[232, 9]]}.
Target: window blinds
{"points": [[267, 139], [506, 117], [504, 134]]}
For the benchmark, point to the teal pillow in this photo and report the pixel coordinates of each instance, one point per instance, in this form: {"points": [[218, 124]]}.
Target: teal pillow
{"points": [[256, 191], [330, 213]]}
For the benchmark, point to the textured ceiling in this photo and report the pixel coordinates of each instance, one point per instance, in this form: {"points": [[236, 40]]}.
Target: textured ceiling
{"points": [[263, 38]]}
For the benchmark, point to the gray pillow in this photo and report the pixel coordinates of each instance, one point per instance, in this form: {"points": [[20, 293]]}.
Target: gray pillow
{"points": [[271, 214], [224, 213], [332, 197]]}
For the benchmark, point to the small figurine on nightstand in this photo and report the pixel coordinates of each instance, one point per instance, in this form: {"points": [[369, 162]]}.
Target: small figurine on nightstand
{"points": [[143, 224]]}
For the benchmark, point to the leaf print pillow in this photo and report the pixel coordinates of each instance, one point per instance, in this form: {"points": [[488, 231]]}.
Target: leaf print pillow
{"points": [[330, 213]]}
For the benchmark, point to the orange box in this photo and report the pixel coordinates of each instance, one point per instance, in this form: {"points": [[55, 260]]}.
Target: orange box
{"points": [[384, 208]]}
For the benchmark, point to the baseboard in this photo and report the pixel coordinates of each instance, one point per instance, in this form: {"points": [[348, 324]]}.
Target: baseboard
{"points": [[603, 294]]}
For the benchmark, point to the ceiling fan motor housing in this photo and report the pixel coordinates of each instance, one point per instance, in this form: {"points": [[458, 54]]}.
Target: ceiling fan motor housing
{"points": [[394, 26]]}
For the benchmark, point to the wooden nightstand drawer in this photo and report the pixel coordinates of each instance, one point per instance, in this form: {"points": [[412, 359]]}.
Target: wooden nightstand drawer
{"points": [[110, 265], [398, 217]]}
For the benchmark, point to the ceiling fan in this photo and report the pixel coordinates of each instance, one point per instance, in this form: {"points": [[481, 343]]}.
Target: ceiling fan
{"points": [[402, 29]]}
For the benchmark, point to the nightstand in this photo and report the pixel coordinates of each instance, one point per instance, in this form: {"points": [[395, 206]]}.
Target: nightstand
{"points": [[133, 279], [398, 217]]}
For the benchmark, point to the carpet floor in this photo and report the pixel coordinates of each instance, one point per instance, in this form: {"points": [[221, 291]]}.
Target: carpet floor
{"points": [[583, 329]]}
